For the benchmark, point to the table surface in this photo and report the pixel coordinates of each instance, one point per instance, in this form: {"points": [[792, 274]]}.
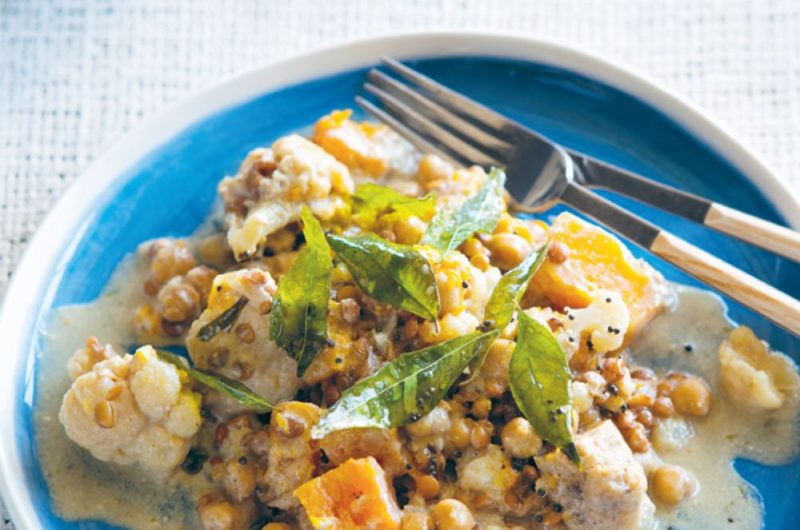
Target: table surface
{"points": [[75, 76]]}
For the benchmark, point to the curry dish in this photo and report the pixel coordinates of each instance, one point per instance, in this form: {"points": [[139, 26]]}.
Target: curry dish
{"points": [[363, 337]]}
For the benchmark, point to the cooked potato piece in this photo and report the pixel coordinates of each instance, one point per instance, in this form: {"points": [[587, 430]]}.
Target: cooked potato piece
{"points": [[291, 455], [244, 351], [354, 495], [754, 377], [611, 491]]}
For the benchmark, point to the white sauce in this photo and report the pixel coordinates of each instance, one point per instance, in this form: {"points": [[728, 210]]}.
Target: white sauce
{"points": [[724, 499], [80, 486], [83, 488]]}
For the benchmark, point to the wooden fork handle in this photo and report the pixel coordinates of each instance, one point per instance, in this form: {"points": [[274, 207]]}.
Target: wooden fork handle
{"points": [[778, 239], [773, 237], [751, 292], [778, 306]]}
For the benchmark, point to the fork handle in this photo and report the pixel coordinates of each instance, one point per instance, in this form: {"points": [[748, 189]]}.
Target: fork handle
{"points": [[773, 237], [776, 305]]}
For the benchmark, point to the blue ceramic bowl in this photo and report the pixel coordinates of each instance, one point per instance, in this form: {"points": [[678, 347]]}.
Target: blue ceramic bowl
{"points": [[161, 180]]}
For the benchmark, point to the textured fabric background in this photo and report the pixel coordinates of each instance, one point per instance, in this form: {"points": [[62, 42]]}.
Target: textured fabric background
{"points": [[74, 76]]}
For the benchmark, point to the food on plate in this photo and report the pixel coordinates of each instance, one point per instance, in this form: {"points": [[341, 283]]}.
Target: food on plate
{"points": [[367, 338]]}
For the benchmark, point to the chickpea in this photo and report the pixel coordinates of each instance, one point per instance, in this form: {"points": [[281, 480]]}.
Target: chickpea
{"points": [[218, 516], [427, 486], [692, 397], [663, 407], [408, 231], [451, 514], [460, 433], [415, 521], [170, 259], [481, 408], [178, 301], [480, 262], [519, 439], [239, 479], [672, 484], [433, 168], [508, 250], [201, 278]]}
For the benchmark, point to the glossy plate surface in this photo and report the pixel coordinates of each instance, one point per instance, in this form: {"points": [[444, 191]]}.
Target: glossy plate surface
{"points": [[161, 180]]}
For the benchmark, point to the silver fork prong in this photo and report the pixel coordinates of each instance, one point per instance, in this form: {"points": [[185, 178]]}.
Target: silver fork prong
{"points": [[418, 141], [451, 99], [457, 124], [431, 130]]}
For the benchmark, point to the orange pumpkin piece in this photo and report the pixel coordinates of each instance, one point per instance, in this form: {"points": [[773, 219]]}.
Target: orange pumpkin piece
{"points": [[354, 495], [588, 259], [351, 143]]}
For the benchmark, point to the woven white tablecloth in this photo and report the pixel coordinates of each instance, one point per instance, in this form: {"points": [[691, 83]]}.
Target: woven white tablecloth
{"points": [[74, 76]]}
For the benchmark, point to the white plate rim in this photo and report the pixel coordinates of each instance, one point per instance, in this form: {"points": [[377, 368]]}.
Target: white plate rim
{"points": [[64, 219]]}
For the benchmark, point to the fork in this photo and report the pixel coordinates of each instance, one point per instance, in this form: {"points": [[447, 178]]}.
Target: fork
{"points": [[541, 173]]}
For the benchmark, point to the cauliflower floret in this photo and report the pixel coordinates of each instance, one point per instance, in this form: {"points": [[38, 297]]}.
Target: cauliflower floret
{"points": [[132, 409], [489, 473], [244, 351], [605, 321], [464, 291], [754, 377], [272, 186], [84, 359], [611, 491]]}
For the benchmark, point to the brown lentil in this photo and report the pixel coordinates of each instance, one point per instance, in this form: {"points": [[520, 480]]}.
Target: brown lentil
{"points": [[481, 435], [692, 397], [105, 414], [671, 484], [663, 407], [451, 514], [246, 333]]}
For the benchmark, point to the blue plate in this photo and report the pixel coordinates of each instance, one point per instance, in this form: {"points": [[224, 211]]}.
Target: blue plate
{"points": [[170, 192]]}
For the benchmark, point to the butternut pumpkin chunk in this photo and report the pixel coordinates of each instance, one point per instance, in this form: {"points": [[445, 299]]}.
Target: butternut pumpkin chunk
{"points": [[354, 495], [351, 143], [589, 260]]}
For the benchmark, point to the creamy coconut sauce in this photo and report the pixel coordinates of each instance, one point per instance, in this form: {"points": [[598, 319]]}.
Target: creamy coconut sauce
{"points": [[80, 486], [724, 499], [84, 488]]}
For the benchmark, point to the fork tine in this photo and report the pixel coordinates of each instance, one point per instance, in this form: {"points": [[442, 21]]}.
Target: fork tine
{"points": [[457, 124], [431, 130], [418, 141], [461, 104]]}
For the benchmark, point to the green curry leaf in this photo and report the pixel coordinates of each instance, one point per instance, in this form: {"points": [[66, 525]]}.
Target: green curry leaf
{"points": [[398, 275], [371, 201], [509, 289], [541, 383], [299, 317], [479, 213], [225, 385], [405, 389]]}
